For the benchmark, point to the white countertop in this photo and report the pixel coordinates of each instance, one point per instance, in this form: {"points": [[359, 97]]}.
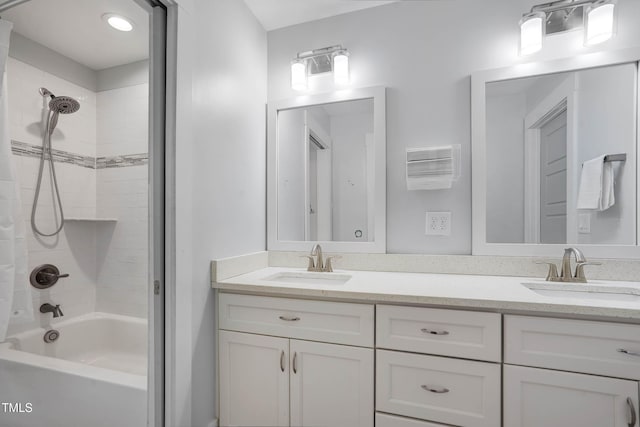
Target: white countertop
{"points": [[496, 293]]}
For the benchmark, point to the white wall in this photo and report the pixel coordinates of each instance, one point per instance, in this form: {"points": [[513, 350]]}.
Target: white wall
{"points": [[505, 168], [226, 200], [424, 52], [349, 160]]}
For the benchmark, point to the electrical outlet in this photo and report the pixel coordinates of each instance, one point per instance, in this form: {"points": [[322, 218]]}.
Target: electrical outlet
{"points": [[438, 223]]}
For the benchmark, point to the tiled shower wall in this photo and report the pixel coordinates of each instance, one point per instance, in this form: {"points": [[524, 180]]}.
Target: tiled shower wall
{"points": [[101, 157], [74, 249], [122, 192]]}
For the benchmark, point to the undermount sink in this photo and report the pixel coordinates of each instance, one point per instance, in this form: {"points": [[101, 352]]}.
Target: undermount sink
{"points": [[585, 291], [309, 278]]}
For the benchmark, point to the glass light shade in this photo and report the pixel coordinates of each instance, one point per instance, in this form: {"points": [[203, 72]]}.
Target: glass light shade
{"points": [[298, 75], [341, 68], [531, 32], [600, 22]]}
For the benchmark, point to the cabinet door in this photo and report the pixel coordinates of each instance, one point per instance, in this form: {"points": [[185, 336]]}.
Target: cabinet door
{"points": [[539, 397], [331, 385], [254, 380]]}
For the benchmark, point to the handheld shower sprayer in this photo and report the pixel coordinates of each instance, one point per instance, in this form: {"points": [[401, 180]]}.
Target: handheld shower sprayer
{"points": [[57, 105]]}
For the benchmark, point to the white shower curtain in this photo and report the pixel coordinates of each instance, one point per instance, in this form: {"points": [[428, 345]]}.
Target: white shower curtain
{"points": [[15, 295]]}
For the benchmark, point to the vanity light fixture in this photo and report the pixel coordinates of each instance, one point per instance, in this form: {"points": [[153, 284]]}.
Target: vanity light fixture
{"points": [[600, 22], [319, 61], [531, 32], [597, 17], [299, 75], [341, 67]]}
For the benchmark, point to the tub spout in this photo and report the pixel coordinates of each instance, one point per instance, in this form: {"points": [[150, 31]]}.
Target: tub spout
{"points": [[48, 308]]}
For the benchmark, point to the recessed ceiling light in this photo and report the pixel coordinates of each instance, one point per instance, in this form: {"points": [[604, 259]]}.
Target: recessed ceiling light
{"points": [[118, 22]]}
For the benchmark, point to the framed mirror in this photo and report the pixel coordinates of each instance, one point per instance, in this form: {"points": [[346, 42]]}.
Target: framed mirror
{"points": [[326, 180], [555, 155]]}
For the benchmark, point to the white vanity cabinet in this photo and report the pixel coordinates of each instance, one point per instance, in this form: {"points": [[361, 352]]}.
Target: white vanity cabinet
{"points": [[431, 387], [599, 387], [296, 362], [289, 379]]}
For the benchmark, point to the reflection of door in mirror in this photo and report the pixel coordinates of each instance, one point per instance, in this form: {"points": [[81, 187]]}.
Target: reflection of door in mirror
{"points": [[318, 181], [539, 132], [326, 172], [553, 180]]}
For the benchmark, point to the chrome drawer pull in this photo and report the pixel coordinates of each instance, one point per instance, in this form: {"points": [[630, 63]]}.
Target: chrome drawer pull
{"points": [[289, 318], [295, 362], [432, 332], [631, 416], [282, 361], [630, 353], [435, 390]]}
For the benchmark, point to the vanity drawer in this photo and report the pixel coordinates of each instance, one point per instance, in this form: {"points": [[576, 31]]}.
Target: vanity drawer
{"points": [[451, 391], [464, 334], [334, 322], [600, 348], [386, 420]]}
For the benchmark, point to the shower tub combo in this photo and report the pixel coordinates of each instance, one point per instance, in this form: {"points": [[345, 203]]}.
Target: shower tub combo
{"points": [[94, 374]]}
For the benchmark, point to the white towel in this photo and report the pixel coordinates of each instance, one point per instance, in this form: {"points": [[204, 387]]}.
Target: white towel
{"points": [[596, 185]]}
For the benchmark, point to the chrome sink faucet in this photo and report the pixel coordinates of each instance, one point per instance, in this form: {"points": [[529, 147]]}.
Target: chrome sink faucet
{"points": [[318, 264], [565, 272], [316, 251], [49, 308]]}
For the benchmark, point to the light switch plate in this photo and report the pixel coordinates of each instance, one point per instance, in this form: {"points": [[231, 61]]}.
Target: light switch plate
{"points": [[438, 224], [584, 223]]}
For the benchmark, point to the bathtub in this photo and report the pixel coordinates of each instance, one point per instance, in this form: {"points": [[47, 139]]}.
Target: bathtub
{"points": [[94, 375]]}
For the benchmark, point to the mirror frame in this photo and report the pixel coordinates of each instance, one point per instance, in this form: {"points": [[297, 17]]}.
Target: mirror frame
{"points": [[378, 245], [480, 246]]}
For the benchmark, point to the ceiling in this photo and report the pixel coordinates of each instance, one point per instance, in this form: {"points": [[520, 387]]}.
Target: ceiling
{"points": [[274, 14], [75, 29]]}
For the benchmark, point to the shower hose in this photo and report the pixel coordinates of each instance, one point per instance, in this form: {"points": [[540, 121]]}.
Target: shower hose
{"points": [[46, 149]]}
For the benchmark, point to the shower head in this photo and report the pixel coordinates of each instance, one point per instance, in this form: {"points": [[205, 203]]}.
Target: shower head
{"points": [[58, 105], [63, 105]]}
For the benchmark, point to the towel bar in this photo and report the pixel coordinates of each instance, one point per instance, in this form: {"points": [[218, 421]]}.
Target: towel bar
{"points": [[615, 157]]}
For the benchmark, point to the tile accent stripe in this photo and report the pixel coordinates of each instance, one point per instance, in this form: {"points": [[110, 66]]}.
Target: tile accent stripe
{"points": [[122, 161], [28, 150]]}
